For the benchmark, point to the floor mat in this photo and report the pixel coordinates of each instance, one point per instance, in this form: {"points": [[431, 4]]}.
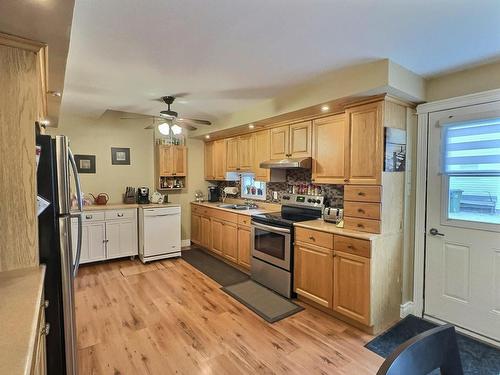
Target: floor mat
{"points": [[262, 301], [214, 268], [477, 357]]}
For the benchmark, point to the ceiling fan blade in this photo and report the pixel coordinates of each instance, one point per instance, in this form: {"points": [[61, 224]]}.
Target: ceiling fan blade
{"points": [[136, 118], [152, 126], [194, 121], [185, 125]]}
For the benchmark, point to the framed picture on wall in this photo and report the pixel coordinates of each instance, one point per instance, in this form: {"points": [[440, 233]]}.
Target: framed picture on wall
{"points": [[395, 150], [120, 156], [85, 163]]}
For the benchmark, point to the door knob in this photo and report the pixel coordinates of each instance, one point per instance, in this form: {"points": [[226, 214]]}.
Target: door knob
{"points": [[435, 232]]}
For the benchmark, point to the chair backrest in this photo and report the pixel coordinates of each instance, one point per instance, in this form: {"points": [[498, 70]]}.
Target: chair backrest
{"points": [[432, 349]]}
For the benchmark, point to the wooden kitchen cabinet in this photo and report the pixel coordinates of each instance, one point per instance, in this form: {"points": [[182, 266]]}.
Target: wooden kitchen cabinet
{"points": [[244, 250], [232, 163], [230, 241], [209, 161], [330, 150], [366, 134], [245, 153], [280, 142], [217, 228], [314, 273], [262, 152], [195, 228], [171, 160], [219, 158], [291, 141], [206, 231], [351, 286]]}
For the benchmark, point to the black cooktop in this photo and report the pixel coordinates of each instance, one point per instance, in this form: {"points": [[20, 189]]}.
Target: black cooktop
{"points": [[287, 216]]}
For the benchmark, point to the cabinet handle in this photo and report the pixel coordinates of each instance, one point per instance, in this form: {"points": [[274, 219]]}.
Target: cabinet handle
{"points": [[88, 216], [361, 226], [350, 247], [120, 215], [312, 238], [361, 211], [361, 193], [45, 304], [346, 180], [46, 329]]}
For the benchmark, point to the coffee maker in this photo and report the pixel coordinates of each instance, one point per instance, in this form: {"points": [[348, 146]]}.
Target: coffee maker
{"points": [[143, 195], [213, 194]]}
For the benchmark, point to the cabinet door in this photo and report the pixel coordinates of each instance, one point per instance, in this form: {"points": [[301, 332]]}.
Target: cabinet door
{"points": [[351, 286], [121, 239], [165, 162], [314, 273], [219, 159], [230, 241], [179, 160], [244, 251], [217, 236], [300, 139], [279, 142], [366, 133], [206, 231], [232, 163], [245, 152], [262, 152], [195, 228], [209, 161], [330, 145], [93, 241]]}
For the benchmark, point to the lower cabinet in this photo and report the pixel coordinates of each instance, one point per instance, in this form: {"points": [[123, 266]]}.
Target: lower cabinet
{"points": [[230, 241], [314, 273], [244, 250], [217, 236], [195, 228], [39, 361], [106, 238], [205, 232], [351, 286]]}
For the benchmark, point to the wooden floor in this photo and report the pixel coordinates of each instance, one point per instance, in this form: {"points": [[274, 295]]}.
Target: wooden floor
{"points": [[168, 318]]}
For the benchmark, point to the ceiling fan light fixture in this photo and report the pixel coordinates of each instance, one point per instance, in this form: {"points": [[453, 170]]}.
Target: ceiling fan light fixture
{"points": [[164, 128], [176, 129]]}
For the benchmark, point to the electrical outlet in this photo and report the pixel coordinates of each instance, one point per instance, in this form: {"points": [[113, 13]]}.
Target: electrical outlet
{"points": [[275, 195]]}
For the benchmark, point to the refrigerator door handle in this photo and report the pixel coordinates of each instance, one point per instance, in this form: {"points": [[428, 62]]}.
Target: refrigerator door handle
{"points": [[79, 214]]}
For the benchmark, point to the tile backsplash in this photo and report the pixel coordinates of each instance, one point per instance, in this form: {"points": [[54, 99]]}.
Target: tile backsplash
{"points": [[334, 194]]}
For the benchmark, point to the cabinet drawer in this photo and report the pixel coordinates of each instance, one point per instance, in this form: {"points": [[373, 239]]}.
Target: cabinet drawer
{"points": [[201, 210], [119, 214], [314, 237], [362, 193], [352, 245], [91, 216], [244, 221], [362, 225], [364, 210], [225, 215]]}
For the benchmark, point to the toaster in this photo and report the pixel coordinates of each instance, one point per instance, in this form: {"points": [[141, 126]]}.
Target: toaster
{"points": [[334, 215]]}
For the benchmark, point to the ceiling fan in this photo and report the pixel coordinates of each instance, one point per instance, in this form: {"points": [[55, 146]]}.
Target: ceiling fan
{"points": [[169, 120]]}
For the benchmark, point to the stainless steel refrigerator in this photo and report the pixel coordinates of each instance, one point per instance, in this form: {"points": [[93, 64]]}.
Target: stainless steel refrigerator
{"points": [[57, 176]]}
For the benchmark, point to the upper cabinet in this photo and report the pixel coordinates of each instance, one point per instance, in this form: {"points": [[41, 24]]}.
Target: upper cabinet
{"points": [[209, 161], [262, 152], [171, 160], [366, 134], [239, 157], [219, 158], [291, 141], [330, 150]]}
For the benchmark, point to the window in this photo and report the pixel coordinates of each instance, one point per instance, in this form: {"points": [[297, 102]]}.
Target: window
{"points": [[252, 189], [471, 164]]}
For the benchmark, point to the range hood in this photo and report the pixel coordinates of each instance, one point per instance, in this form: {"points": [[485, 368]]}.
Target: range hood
{"points": [[289, 163]]}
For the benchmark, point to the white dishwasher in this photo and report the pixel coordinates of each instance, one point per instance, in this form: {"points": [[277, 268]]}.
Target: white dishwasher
{"points": [[159, 233]]}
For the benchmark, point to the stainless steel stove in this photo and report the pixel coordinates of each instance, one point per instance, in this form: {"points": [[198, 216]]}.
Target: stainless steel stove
{"points": [[272, 241]]}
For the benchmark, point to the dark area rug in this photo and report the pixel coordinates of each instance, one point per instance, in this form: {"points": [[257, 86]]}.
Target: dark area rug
{"points": [[214, 268], [262, 301], [477, 357]]}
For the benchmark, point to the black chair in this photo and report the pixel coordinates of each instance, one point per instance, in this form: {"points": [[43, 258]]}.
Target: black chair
{"points": [[433, 349]]}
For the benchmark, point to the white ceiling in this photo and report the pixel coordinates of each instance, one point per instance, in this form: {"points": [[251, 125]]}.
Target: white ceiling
{"points": [[230, 54]]}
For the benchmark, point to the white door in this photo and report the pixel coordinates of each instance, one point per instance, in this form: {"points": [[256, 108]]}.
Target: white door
{"points": [[121, 239], [462, 260], [93, 241]]}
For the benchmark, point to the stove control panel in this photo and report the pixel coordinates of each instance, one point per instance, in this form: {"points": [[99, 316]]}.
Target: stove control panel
{"points": [[303, 200]]}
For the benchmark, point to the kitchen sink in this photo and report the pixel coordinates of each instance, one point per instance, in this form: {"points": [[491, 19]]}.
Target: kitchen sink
{"points": [[238, 206]]}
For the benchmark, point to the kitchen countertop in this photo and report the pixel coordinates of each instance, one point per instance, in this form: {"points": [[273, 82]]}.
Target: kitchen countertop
{"points": [[21, 292], [323, 226], [122, 206], [239, 212]]}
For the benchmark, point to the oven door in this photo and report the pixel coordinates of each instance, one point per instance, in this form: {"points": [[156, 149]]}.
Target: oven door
{"points": [[272, 245]]}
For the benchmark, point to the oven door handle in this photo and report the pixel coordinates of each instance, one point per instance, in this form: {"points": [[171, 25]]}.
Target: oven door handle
{"points": [[271, 228]]}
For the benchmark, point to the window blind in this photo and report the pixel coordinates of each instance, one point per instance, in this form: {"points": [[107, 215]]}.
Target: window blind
{"points": [[472, 147]]}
